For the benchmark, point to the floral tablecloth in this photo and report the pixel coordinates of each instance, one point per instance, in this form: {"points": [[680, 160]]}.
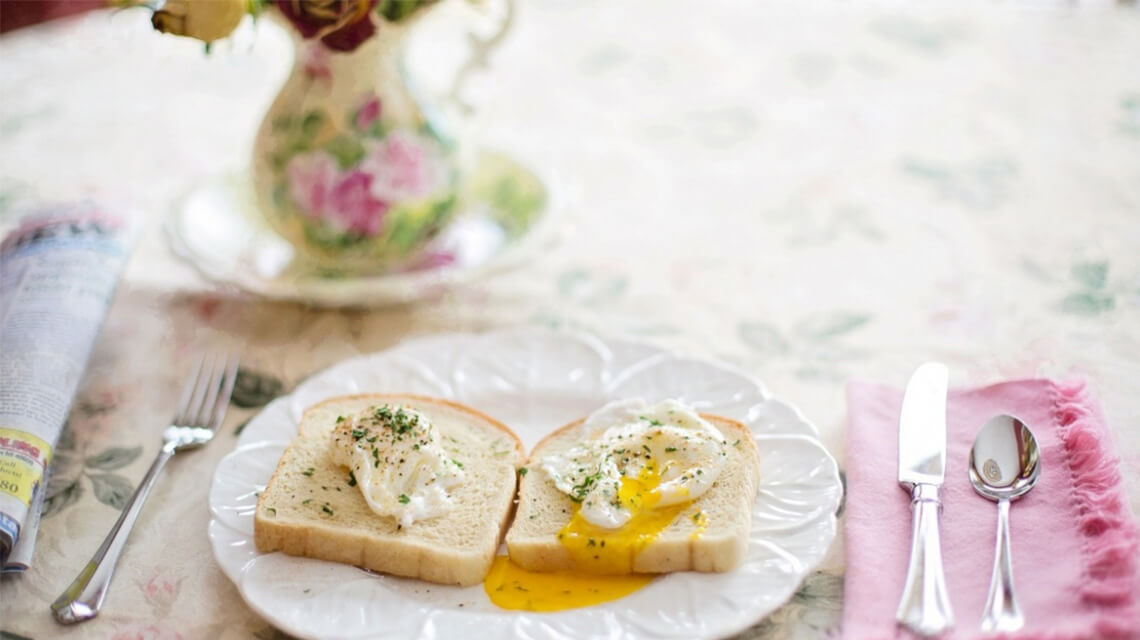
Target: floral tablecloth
{"points": [[814, 192]]}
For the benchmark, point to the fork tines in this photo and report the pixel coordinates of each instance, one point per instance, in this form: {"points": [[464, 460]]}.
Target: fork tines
{"points": [[207, 391]]}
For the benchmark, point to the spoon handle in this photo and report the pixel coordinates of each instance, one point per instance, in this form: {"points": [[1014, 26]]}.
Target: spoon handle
{"points": [[1002, 612]]}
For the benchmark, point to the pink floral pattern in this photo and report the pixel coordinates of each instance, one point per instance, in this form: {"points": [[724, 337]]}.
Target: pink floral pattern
{"points": [[405, 167], [352, 204], [401, 167], [315, 62], [368, 115], [161, 593]]}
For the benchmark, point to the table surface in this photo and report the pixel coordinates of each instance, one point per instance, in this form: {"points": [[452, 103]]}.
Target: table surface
{"points": [[816, 193]]}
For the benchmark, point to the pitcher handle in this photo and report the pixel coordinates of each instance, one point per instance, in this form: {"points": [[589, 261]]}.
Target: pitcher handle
{"points": [[479, 57]]}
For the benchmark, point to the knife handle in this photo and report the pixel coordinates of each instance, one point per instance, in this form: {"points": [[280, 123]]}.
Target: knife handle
{"points": [[925, 603]]}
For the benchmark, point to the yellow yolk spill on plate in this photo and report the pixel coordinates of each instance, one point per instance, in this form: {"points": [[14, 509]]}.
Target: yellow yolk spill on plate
{"points": [[603, 557], [511, 587], [611, 551]]}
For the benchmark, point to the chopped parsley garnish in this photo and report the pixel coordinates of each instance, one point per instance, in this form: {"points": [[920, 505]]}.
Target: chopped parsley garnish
{"points": [[457, 463], [582, 488], [308, 473], [404, 499], [306, 501], [523, 471], [670, 449], [351, 479], [326, 509]]}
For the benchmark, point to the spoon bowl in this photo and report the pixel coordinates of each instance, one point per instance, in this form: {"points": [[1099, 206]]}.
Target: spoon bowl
{"points": [[1005, 463]]}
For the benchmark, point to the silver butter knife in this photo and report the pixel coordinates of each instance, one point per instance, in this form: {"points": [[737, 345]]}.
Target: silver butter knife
{"points": [[925, 603]]}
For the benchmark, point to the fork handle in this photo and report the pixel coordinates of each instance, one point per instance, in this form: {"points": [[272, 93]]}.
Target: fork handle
{"points": [[82, 600]]}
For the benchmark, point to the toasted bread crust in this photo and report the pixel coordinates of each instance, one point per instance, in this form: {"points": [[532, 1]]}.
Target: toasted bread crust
{"points": [[711, 551], [407, 555], [396, 397]]}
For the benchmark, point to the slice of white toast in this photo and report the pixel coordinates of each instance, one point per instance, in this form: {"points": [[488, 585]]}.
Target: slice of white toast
{"points": [[710, 534], [310, 509]]}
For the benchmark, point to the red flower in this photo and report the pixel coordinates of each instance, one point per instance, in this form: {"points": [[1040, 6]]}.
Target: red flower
{"points": [[368, 114], [352, 204], [342, 24]]}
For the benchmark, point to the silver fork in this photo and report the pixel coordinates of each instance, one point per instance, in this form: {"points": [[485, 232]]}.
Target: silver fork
{"points": [[200, 413]]}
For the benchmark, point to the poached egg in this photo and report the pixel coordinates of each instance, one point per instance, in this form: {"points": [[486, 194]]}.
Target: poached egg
{"points": [[634, 458], [395, 457], [636, 468]]}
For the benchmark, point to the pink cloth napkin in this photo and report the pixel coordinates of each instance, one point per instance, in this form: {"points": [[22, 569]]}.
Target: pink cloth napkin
{"points": [[1075, 543]]}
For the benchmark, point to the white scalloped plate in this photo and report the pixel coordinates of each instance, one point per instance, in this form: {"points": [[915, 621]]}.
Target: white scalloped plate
{"points": [[534, 381]]}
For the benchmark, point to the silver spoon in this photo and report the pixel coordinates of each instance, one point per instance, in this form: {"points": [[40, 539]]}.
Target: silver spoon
{"points": [[1004, 465]]}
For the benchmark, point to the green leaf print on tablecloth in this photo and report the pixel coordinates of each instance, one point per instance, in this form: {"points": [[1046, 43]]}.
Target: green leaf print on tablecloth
{"points": [[923, 36], [763, 338], [982, 184], [588, 287], [814, 345], [830, 325], [111, 489], [65, 486], [1091, 297], [113, 458], [59, 498], [1130, 115], [254, 389]]}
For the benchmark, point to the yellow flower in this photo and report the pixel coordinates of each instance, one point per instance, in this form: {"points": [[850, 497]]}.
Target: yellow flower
{"points": [[206, 20]]}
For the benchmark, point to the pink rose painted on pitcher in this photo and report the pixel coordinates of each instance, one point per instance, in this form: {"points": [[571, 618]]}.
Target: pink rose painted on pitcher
{"points": [[405, 167], [347, 165], [401, 168]]}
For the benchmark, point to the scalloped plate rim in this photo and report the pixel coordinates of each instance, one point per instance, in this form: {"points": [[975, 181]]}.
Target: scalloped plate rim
{"points": [[826, 524]]}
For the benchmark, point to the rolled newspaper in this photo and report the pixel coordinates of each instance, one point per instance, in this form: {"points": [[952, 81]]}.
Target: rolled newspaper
{"points": [[58, 271]]}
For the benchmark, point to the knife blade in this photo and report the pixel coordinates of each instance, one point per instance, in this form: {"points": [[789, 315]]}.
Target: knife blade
{"points": [[924, 606]]}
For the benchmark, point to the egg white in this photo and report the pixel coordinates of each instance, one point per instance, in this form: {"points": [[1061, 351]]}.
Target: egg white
{"points": [[631, 439]]}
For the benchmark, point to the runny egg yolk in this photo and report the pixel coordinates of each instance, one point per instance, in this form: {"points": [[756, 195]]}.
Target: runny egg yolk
{"points": [[603, 557], [612, 551], [510, 586]]}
